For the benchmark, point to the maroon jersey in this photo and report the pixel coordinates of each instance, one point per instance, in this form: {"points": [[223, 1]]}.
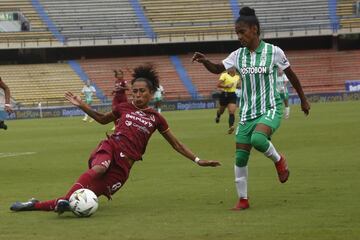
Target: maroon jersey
{"points": [[134, 128]]}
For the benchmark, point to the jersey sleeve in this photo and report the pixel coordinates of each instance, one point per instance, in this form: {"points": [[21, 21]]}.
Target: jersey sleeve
{"points": [[222, 77], [280, 59], [230, 61], [118, 109], [162, 125]]}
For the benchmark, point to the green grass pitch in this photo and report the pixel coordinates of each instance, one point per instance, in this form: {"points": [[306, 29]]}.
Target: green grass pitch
{"points": [[169, 197]]}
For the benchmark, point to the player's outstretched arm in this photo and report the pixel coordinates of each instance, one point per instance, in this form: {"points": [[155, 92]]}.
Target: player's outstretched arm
{"points": [[305, 106], [99, 117], [210, 66], [186, 152]]}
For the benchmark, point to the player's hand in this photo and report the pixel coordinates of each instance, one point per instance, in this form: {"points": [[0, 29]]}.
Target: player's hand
{"points": [[118, 87], [8, 108], [75, 100], [205, 163], [198, 57], [305, 107]]}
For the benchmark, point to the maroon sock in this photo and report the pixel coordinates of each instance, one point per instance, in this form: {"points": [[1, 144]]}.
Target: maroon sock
{"points": [[46, 205], [84, 181]]}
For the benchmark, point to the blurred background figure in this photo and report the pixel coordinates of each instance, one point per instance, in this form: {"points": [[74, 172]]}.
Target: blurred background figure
{"points": [[281, 85], [228, 82], [88, 91], [5, 106], [158, 98], [119, 93]]}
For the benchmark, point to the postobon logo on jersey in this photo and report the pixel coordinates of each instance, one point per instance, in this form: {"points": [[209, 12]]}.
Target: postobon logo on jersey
{"points": [[253, 70]]}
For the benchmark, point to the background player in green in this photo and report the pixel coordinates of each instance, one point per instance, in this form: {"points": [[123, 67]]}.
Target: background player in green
{"points": [[158, 98], [260, 103], [282, 89], [88, 92]]}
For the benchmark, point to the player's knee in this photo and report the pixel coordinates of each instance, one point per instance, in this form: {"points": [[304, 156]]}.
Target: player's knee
{"points": [[242, 158], [259, 141]]}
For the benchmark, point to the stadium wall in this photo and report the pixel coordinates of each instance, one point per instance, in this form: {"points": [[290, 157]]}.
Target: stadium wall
{"points": [[28, 113]]}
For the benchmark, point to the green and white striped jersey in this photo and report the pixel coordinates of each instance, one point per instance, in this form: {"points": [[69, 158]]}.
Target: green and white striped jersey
{"points": [[258, 71]]}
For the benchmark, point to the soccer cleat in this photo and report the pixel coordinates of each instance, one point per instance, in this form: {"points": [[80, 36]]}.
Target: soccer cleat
{"points": [[3, 125], [282, 169], [62, 206], [231, 130], [242, 204], [217, 119], [24, 206]]}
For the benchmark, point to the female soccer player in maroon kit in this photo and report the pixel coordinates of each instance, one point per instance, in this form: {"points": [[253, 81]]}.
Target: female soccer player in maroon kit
{"points": [[119, 92], [120, 88], [111, 161]]}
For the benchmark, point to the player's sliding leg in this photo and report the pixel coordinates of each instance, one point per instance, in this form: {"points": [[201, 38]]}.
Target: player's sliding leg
{"points": [[60, 205], [260, 141], [24, 206], [241, 178]]}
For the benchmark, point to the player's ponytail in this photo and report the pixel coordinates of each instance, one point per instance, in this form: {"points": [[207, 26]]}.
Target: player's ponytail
{"points": [[248, 16], [148, 74]]}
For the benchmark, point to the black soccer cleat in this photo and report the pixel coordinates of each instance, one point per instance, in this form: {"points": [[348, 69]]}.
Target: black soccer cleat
{"points": [[24, 206], [62, 206], [3, 125]]}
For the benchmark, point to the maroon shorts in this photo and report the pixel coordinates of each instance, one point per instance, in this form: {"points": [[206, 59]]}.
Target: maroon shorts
{"points": [[118, 169]]}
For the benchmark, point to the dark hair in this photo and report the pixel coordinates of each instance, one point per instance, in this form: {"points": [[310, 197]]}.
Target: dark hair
{"points": [[248, 16], [148, 74]]}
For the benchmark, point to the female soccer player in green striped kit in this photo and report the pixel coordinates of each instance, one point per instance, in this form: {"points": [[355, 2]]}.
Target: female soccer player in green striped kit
{"points": [[261, 106]]}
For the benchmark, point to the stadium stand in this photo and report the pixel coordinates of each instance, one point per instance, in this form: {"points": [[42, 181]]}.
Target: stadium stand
{"points": [[186, 17], [291, 15], [325, 70], [346, 10], [100, 71], [204, 81], [319, 71], [45, 83], [39, 31], [94, 19]]}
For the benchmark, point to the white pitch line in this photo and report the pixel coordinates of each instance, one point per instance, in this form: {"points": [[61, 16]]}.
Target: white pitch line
{"points": [[15, 154]]}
